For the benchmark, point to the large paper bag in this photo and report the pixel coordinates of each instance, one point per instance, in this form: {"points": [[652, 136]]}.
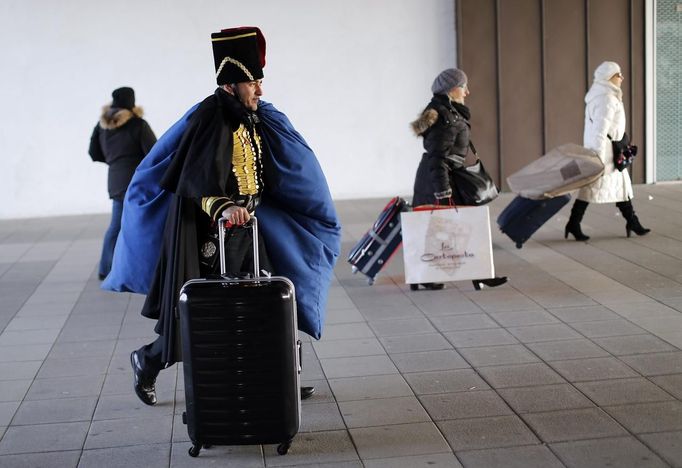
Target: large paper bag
{"points": [[447, 245]]}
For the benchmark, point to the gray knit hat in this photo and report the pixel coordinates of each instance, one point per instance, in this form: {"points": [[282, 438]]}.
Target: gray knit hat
{"points": [[448, 79]]}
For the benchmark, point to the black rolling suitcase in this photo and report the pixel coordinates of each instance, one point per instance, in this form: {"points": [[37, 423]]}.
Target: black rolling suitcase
{"points": [[241, 359], [523, 216], [376, 247]]}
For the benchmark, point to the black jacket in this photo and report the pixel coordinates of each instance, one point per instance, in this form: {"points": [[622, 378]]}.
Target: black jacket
{"points": [[446, 131], [121, 139]]}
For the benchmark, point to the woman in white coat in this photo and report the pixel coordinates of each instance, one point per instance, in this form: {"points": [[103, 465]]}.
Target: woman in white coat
{"points": [[605, 121]]}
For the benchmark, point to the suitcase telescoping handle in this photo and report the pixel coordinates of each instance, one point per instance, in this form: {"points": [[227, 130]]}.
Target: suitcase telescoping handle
{"points": [[222, 222]]}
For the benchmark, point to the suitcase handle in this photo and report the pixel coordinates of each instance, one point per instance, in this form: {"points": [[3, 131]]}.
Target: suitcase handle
{"points": [[222, 222]]}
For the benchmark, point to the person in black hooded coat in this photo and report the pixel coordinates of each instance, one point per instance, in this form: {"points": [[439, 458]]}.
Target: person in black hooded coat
{"points": [[445, 128], [121, 139]]}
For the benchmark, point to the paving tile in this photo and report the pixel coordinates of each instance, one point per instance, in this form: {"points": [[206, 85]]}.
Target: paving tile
{"points": [[401, 327], [378, 313], [129, 431], [342, 315], [343, 331], [313, 448], [54, 411], [382, 412], [42, 460], [13, 390], [244, 456], [415, 343], [576, 424], [66, 387], [370, 387], [426, 383], [436, 460], [649, 417], [348, 348], [7, 411], [497, 355], [482, 433], [670, 383], [538, 333], [668, 445], [502, 300], [129, 405], [634, 344], [475, 404], [19, 370], [463, 322], [399, 440], [478, 338], [321, 417], [655, 364], [429, 361], [522, 318], [520, 375], [532, 456], [568, 349], [583, 314], [623, 452], [140, 455], [16, 353], [357, 366], [602, 328], [578, 370], [622, 391], [544, 398], [24, 337], [44, 438], [53, 368], [323, 393]]}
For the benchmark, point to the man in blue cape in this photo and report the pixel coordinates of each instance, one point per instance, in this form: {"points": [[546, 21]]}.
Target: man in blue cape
{"points": [[229, 156]]}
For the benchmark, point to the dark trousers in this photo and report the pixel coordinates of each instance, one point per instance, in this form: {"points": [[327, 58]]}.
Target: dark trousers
{"points": [[110, 238], [238, 259]]}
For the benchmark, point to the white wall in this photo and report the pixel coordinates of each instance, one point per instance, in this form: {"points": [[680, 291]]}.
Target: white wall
{"points": [[349, 74]]}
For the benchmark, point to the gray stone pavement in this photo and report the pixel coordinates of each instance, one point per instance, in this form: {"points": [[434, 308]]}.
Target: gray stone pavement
{"points": [[575, 362]]}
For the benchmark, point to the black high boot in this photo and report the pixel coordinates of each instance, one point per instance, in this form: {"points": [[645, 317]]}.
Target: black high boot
{"points": [[632, 222], [573, 225]]}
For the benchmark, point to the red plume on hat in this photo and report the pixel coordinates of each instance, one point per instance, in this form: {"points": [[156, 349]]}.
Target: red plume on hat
{"points": [[239, 54]]}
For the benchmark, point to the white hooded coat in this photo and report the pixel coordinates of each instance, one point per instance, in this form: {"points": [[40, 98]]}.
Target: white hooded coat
{"points": [[605, 115]]}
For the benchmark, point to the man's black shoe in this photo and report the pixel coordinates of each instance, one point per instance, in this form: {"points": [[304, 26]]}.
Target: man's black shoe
{"points": [[144, 386], [307, 392]]}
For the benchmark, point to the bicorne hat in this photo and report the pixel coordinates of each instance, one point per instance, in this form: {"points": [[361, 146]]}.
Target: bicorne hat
{"points": [[239, 55]]}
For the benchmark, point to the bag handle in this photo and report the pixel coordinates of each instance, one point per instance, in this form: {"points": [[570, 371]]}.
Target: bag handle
{"points": [[222, 225]]}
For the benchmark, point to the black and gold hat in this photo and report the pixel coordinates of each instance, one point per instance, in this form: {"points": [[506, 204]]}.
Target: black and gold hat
{"points": [[239, 55]]}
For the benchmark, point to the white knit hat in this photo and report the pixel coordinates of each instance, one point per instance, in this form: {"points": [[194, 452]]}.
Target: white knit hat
{"points": [[606, 70]]}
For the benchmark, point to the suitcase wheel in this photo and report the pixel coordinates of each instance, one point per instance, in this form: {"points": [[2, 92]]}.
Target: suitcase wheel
{"points": [[519, 245], [354, 269], [194, 450], [283, 448], [370, 281]]}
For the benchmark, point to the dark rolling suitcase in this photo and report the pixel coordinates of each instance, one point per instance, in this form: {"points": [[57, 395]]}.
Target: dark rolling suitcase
{"points": [[523, 216], [376, 247], [241, 359]]}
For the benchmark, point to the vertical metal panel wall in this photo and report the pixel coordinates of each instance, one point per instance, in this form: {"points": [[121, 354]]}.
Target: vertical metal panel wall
{"points": [[530, 63]]}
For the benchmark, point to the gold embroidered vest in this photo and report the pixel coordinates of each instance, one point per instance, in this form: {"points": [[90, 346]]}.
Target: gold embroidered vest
{"points": [[247, 165]]}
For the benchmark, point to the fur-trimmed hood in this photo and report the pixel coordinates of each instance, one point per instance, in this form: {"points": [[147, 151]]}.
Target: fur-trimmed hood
{"points": [[112, 117], [426, 120]]}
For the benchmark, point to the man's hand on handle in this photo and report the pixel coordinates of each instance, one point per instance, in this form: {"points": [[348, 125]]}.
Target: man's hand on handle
{"points": [[236, 215]]}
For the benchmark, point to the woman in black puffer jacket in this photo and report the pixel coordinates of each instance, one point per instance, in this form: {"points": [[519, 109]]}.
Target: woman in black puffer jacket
{"points": [[121, 139], [444, 125]]}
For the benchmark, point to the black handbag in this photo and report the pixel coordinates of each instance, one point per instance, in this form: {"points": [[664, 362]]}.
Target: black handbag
{"points": [[472, 185], [623, 152]]}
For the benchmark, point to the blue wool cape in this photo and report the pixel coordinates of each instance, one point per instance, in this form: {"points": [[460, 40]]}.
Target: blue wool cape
{"points": [[297, 219]]}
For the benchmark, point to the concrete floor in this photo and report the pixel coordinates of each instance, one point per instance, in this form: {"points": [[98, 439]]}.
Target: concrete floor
{"points": [[575, 362]]}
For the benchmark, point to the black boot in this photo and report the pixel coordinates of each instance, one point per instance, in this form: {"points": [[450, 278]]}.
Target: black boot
{"points": [[632, 222], [144, 381], [429, 286], [490, 282], [573, 225]]}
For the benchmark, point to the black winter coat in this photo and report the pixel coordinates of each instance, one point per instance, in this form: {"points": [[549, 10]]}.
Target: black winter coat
{"points": [[121, 139], [445, 128]]}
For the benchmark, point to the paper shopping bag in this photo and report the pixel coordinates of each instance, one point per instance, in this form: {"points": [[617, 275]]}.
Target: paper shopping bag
{"points": [[447, 245]]}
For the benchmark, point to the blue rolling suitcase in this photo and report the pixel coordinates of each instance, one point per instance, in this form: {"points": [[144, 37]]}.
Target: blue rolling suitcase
{"points": [[241, 359], [376, 247], [523, 216]]}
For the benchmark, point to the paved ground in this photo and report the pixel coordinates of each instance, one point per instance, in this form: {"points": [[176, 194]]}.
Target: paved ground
{"points": [[575, 362]]}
